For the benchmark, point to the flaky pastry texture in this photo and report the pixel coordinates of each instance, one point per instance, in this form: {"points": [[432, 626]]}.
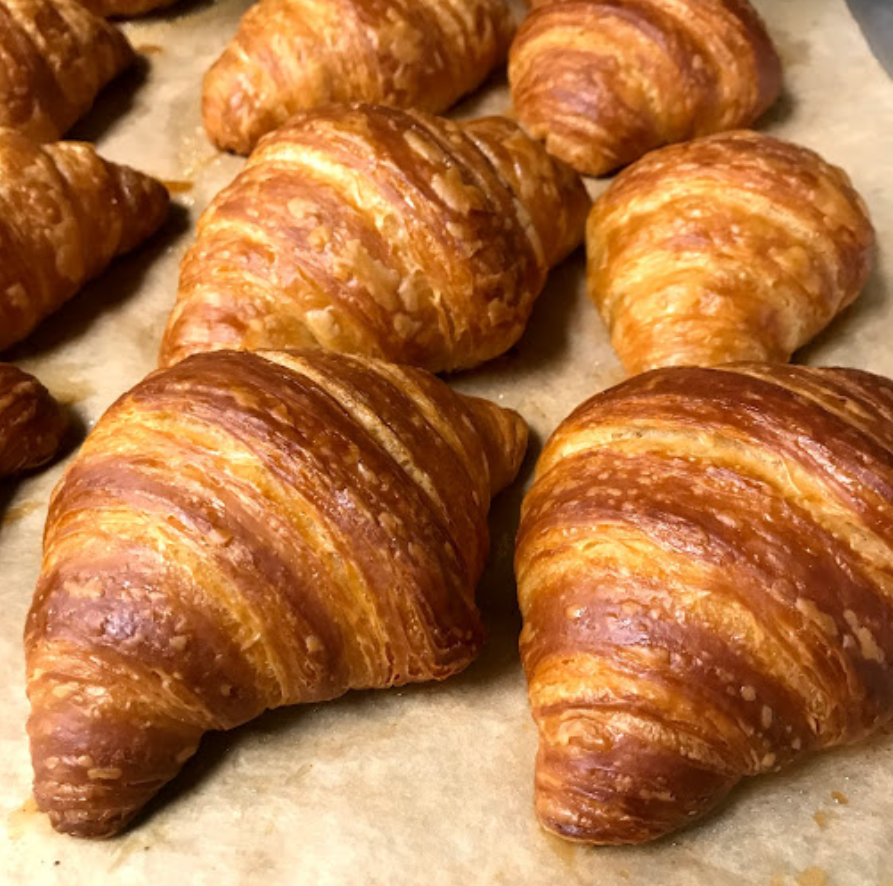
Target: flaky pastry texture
{"points": [[242, 532], [705, 567]]}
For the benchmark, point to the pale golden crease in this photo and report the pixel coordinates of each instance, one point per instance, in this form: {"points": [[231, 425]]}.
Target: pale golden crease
{"points": [[738, 246], [245, 531], [55, 57], [294, 55], [65, 213], [705, 573], [603, 82], [382, 232]]}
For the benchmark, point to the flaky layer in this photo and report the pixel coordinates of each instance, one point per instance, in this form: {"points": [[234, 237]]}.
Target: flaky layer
{"points": [[734, 247], [242, 532], [382, 232], [705, 567], [605, 81]]}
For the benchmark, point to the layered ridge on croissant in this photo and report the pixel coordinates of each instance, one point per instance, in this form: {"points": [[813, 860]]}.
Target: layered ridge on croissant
{"points": [[32, 424], [55, 57], [734, 247], [605, 81], [65, 213], [383, 232], [705, 567], [294, 55], [246, 531]]}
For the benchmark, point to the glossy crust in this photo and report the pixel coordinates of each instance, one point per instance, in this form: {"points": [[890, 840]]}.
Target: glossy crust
{"points": [[31, 423], [379, 231], [242, 532], [55, 57], [605, 81], [734, 247], [124, 8], [705, 566], [65, 213], [294, 55]]}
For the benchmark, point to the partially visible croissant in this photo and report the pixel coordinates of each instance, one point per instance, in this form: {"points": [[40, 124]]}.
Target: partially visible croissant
{"points": [[31, 423], [55, 57], [124, 8], [734, 247], [246, 531], [705, 566], [66, 214], [379, 231], [294, 55], [605, 81]]}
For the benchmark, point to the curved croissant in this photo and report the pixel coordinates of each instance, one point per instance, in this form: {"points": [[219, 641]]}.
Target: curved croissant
{"points": [[605, 81], [383, 232], [734, 247], [31, 423], [294, 55], [246, 531], [705, 566], [66, 213], [55, 57]]}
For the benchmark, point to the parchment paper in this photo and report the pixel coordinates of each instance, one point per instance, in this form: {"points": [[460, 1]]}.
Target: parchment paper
{"points": [[430, 785]]}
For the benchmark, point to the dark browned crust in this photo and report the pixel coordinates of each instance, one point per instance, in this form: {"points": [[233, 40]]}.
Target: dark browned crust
{"points": [[605, 81], [705, 566], [32, 424], [243, 532]]}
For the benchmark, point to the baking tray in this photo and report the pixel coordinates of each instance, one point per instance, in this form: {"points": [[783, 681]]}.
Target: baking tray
{"points": [[430, 784]]}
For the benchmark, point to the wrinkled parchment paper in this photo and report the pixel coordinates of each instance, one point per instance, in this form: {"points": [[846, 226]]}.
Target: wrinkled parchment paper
{"points": [[429, 785]]}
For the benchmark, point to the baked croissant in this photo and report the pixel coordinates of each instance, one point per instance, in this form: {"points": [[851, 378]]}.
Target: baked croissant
{"points": [[246, 531], [66, 214], [55, 57], [734, 247], [383, 232], [605, 81], [294, 55], [124, 8], [705, 564], [32, 424]]}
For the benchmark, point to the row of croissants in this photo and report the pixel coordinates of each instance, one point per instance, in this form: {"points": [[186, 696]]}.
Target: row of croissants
{"points": [[293, 506]]}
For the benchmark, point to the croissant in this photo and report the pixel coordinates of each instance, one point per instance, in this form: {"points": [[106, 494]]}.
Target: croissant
{"points": [[32, 424], [55, 57], [705, 563], [295, 55], [383, 232], [605, 81], [246, 531], [124, 8], [734, 247], [66, 214]]}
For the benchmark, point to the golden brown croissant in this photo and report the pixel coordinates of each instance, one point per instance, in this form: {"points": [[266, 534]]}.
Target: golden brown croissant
{"points": [[294, 55], [383, 232], [246, 531], [734, 247], [55, 57], [124, 8], [66, 213], [705, 566], [31, 423], [605, 81]]}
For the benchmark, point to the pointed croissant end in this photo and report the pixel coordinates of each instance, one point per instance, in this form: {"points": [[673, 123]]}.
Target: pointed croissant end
{"points": [[233, 110], [147, 201], [504, 434], [593, 789], [95, 764]]}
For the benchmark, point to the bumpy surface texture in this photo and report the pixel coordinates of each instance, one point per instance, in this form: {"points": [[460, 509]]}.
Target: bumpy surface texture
{"points": [[65, 213], [605, 81], [293, 55], [705, 568], [55, 57], [734, 247], [242, 532], [383, 232], [31, 423]]}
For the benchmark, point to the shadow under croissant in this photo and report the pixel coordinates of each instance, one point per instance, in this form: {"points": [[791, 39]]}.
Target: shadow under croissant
{"points": [[122, 280]]}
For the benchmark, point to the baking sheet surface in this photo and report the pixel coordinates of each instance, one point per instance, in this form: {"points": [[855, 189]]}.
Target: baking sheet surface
{"points": [[433, 784]]}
